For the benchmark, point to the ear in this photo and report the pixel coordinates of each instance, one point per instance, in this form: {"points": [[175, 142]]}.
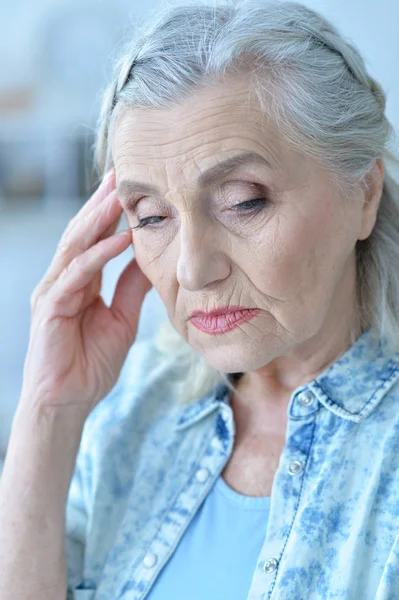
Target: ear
{"points": [[372, 197]]}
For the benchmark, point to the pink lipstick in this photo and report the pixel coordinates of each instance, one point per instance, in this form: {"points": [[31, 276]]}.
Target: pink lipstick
{"points": [[222, 320]]}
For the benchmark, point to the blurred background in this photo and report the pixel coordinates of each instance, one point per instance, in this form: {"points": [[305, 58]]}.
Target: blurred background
{"points": [[56, 58]]}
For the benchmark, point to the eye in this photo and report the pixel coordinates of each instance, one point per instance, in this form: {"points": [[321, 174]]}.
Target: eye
{"points": [[249, 206], [147, 221]]}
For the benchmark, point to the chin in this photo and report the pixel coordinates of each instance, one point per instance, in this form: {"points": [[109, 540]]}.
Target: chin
{"points": [[238, 358]]}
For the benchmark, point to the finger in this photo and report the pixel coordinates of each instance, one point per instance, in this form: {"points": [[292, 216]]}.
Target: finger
{"points": [[86, 233], [85, 214], [104, 189], [102, 192], [81, 271], [111, 229], [96, 283]]}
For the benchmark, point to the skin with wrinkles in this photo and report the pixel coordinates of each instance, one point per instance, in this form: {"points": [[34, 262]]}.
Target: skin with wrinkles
{"points": [[294, 259]]}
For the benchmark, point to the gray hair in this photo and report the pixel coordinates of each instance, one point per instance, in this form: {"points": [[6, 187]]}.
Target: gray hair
{"points": [[314, 85]]}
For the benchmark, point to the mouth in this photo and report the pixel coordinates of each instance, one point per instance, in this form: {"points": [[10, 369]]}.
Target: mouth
{"points": [[221, 310], [222, 320]]}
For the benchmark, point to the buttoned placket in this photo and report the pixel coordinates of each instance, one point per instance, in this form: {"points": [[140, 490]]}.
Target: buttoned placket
{"points": [[286, 491], [194, 493]]}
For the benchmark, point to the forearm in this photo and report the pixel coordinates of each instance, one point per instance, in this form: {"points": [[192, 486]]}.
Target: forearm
{"points": [[33, 492]]}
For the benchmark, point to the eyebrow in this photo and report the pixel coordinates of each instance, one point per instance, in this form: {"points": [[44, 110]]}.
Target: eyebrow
{"points": [[211, 175]]}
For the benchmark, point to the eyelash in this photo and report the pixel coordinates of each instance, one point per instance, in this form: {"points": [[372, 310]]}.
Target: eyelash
{"points": [[263, 200]]}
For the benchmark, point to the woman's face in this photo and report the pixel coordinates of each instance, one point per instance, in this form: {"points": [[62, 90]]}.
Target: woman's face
{"points": [[290, 253]]}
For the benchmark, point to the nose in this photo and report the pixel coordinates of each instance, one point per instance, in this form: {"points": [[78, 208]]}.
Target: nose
{"points": [[201, 259]]}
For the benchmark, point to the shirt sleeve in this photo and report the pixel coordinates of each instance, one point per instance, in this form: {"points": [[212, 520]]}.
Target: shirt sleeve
{"points": [[389, 582], [79, 507], [80, 500], [76, 519]]}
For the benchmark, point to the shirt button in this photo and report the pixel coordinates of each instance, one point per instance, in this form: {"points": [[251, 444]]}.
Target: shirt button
{"points": [[306, 398], [150, 559], [270, 565], [202, 475], [295, 467]]}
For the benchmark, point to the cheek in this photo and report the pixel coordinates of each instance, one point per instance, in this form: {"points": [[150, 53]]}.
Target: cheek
{"points": [[293, 259], [157, 266], [284, 254]]}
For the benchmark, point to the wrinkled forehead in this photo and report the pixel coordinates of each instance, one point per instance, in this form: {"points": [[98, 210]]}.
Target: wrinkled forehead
{"points": [[193, 135]]}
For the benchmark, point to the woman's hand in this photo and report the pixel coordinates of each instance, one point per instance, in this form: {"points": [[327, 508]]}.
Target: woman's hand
{"points": [[77, 344]]}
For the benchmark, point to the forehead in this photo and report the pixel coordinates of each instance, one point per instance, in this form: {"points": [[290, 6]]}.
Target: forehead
{"points": [[213, 118], [173, 146]]}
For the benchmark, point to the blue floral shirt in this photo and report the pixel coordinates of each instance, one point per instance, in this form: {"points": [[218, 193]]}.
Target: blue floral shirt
{"points": [[146, 464]]}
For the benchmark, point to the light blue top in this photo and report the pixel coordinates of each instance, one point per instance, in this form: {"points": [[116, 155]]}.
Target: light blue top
{"points": [[146, 490], [219, 549]]}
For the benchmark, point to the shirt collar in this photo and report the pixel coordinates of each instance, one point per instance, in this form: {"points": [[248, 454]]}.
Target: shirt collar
{"points": [[351, 388]]}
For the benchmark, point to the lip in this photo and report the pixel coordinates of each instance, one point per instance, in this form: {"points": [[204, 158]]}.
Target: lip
{"points": [[222, 322], [221, 310]]}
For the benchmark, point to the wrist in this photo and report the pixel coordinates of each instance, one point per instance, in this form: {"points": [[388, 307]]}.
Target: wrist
{"points": [[48, 418], [42, 450]]}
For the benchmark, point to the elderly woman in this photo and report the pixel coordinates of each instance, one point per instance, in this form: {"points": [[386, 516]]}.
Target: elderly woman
{"points": [[251, 449]]}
